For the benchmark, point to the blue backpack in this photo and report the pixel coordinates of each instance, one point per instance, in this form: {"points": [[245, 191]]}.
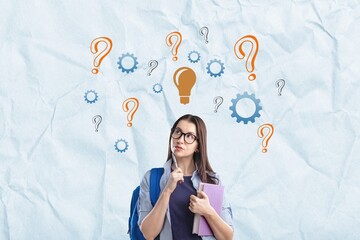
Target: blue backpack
{"points": [[134, 230]]}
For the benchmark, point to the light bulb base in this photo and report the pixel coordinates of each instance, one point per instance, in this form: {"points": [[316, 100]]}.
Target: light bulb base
{"points": [[184, 100]]}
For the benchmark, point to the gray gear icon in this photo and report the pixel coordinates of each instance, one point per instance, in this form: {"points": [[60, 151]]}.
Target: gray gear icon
{"points": [[93, 99], [121, 62], [157, 88], [121, 149], [216, 62], [194, 56], [253, 116]]}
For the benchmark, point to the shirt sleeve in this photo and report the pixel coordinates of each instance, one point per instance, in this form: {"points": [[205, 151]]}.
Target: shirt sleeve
{"points": [[226, 212], [144, 203]]}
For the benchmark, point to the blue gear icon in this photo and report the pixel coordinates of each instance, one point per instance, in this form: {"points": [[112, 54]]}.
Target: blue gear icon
{"points": [[126, 57], [216, 74], [157, 88], [194, 56], [123, 149], [252, 117], [93, 99]]}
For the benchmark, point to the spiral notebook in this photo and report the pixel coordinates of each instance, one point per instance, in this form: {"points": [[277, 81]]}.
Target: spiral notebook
{"points": [[215, 194]]}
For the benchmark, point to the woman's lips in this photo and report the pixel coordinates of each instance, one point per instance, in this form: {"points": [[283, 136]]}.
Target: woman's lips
{"points": [[178, 148]]}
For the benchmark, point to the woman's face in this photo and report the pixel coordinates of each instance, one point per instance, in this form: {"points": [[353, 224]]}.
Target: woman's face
{"points": [[182, 148]]}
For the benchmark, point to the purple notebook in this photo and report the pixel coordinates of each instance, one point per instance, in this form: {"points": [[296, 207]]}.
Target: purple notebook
{"points": [[215, 194]]}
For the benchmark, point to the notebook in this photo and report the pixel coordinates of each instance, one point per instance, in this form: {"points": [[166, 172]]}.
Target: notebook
{"points": [[215, 194]]}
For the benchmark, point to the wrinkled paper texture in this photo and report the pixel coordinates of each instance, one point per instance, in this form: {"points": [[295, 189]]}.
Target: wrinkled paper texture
{"points": [[60, 179]]}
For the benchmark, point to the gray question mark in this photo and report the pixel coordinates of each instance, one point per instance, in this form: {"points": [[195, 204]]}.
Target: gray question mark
{"points": [[218, 101], [152, 65], [204, 31], [97, 120], [280, 84]]}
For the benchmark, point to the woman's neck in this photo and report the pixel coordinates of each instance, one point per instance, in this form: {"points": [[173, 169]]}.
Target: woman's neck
{"points": [[186, 165]]}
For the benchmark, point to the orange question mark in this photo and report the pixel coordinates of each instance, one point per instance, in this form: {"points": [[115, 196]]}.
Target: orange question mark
{"points": [[176, 45], [134, 108], [260, 133], [240, 54], [100, 55]]}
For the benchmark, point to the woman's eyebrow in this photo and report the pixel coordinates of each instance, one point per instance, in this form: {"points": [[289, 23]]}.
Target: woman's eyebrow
{"points": [[185, 132]]}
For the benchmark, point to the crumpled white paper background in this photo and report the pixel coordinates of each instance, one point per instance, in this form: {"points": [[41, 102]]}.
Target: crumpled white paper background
{"points": [[59, 179]]}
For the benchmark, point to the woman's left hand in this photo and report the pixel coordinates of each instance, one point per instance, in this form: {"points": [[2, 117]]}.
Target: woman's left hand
{"points": [[200, 204]]}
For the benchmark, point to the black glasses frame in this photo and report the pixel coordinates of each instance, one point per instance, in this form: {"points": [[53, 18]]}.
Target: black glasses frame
{"points": [[183, 134]]}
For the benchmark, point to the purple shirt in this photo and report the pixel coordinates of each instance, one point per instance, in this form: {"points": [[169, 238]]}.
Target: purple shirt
{"points": [[181, 217]]}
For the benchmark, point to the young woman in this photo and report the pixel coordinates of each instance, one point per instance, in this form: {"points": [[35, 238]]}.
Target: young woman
{"points": [[187, 165]]}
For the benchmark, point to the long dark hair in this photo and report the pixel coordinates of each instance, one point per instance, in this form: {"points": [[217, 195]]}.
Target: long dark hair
{"points": [[207, 175]]}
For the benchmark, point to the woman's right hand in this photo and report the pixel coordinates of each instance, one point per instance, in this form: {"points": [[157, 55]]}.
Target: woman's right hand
{"points": [[175, 177]]}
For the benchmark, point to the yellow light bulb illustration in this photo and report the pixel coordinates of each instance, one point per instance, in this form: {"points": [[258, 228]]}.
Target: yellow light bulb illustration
{"points": [[184, 79]]}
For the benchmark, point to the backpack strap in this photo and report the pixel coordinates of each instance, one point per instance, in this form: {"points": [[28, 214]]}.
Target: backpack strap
{"points": [[155, 176]]}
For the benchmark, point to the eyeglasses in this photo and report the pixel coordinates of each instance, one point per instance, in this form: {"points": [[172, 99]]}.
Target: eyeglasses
{"points": [[189, 137]]}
